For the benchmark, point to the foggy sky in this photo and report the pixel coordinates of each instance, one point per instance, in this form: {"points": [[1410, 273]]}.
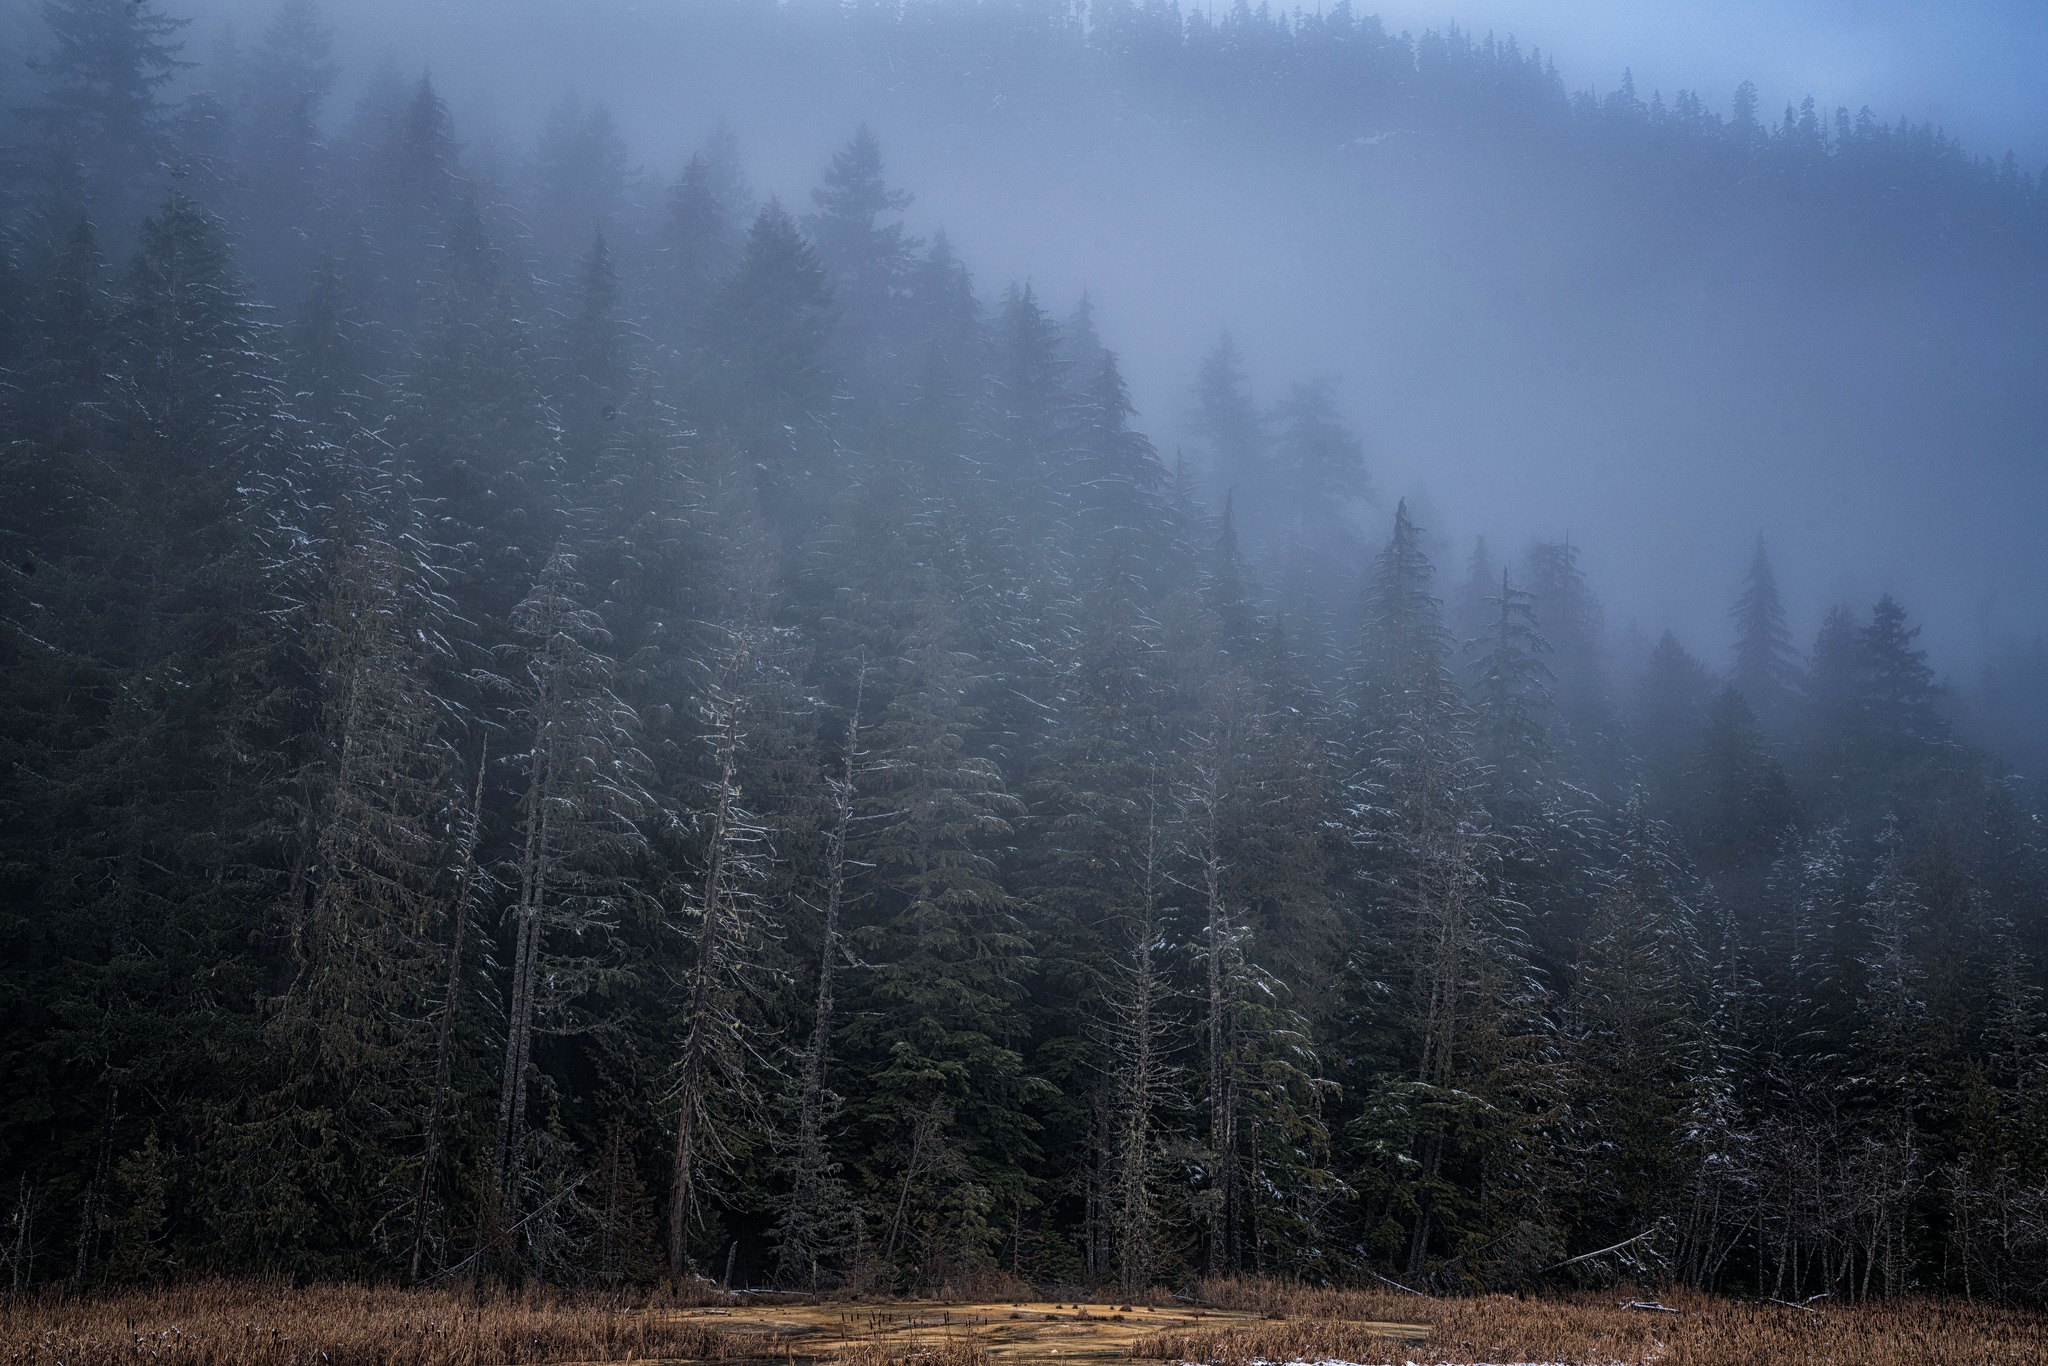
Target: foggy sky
{"points": [[1516, 377]]}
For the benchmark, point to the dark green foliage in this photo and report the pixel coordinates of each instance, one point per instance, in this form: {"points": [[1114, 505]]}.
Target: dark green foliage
{"points": [[609, 717], [1670, 703], [1766, 665], [101, 107]]}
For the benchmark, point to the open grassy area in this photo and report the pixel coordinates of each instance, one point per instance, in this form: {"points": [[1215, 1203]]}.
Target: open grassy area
{"points": [[1597, 1328], [242, 1324], [223, 1323]]}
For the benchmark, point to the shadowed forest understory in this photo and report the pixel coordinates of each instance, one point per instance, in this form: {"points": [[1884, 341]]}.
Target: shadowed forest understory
{"points": [[567, 748]]}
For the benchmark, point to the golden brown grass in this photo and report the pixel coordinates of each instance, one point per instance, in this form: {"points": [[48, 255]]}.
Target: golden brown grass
{"points": [[943, 1352], [214, 1324], [239, 1324], [1594, 1328]]}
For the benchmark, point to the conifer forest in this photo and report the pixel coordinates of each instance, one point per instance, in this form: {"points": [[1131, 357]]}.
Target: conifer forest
{"points": [[596, 716]]}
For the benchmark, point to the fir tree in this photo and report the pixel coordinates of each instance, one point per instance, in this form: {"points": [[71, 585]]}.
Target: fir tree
{"points": [[936, 1004], [1230, 423], [766, 379], [577, 839], [1744, 809], [1670, 705], [867, 258], [581, 181], [701, 234], [102, 102], [1766, 665], [1511, 698]]}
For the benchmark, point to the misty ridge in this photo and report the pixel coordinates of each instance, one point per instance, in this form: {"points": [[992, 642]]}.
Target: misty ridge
{"points": [[957, 644]]}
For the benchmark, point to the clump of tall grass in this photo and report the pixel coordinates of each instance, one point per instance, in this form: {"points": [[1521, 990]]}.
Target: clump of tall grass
{"points": [[943, 1351], [1596, 1330], [225, 1323]]}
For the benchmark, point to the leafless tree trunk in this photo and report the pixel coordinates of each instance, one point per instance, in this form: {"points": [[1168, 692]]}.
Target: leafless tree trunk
{"points": [[582, 799], [1220, 944], [93, 1215], [1143, 1078], [806, 1227], [451, 998], [708, 1022]]}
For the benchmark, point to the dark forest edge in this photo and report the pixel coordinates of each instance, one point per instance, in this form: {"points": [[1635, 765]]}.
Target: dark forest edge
{"points": [[702, 749]]}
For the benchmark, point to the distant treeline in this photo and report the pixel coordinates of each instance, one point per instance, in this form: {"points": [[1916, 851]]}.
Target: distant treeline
{"points": [[715, 747]]}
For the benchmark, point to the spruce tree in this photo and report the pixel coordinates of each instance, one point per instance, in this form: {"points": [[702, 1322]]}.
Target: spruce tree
{"points": [[765, 380], [581, 182], [1571, 619], [931, 1023], [286, 176], [1742, 810], [942, 336], [1766, 665], [697, 243], [1028, 375], [717, 1094], [1901, 694], [1510, 704], [1230, 424], [578, 838], [1638, 1044], [866, 257], [1670, 706], [1116, 475], [102, 104]]}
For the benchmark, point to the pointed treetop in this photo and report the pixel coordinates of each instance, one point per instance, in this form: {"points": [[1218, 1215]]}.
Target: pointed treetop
{"points": [[1766, 664], [1404, 663]]}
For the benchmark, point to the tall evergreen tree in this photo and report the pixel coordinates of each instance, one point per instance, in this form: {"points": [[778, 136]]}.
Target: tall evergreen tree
{"points": [[102, 99], [867, 258], [946, 1136], [699, 240], [578, 838], [1742, 810], [765, 379], [1670, 706], [581, 181], [1230, 424], [1510, 704], [1766, 665]]}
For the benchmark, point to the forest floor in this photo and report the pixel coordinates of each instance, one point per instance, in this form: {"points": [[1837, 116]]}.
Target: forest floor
{"points": [[1233, 1324]]}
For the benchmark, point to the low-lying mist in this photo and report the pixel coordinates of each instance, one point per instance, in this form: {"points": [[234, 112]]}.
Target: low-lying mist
{"points": [[1545, 317]]}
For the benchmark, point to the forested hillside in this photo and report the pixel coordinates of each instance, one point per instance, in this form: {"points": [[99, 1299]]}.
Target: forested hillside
{"points": [[539, 742]]}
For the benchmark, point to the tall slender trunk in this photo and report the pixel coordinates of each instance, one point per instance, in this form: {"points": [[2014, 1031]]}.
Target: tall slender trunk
{"points": [[451, 997], [1222, 1107], [710, 943], [96, 1190], [1134, 1225], [810, 1159], [535, 864]]}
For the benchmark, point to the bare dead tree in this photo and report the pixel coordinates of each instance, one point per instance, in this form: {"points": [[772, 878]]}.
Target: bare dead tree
{"points": [[815, 1219], [578, 834], [1139, 1040], [451, 999], [712, 1073], [1202, 814]]}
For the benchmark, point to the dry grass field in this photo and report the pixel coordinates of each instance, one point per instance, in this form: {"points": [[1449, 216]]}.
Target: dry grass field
{"points": [[239, 1324], [1235, 1322], [1321, 1325]]}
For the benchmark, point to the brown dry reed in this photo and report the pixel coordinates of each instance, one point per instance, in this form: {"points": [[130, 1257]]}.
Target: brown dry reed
{"points": [[219, 1323], [943, 1351], [240, 1324], [1588, 1329]]}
